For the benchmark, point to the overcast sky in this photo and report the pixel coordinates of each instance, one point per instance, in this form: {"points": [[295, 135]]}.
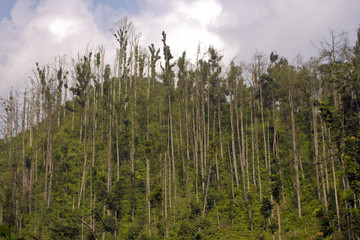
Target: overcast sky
{"points": [[39, 30]]}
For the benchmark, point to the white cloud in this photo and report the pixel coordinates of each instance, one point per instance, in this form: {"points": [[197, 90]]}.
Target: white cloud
{"points": [[40, 33], [284, 26], [40, 30], [186, 23], [205, 12], [61, 28]]}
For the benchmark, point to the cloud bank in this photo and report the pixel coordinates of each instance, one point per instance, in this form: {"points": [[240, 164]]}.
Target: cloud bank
{"points": [[43, 29]]}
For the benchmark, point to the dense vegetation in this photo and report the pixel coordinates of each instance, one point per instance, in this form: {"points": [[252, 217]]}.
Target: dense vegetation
{"points": [[262, 150]]}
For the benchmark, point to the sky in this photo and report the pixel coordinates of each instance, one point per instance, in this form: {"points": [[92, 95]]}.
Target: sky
{"points": [[41, 30]]}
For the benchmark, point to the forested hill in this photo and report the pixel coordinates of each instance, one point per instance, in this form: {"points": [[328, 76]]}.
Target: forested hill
{"points": [[263, 150]]}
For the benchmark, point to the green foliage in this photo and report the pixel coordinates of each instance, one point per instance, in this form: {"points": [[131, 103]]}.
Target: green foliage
{"points": [[351, 154], [188, 230], [64, 229], [273, 57], [83, 79], [275, 184], [325, 221], [266, 208], [7, 232], [155, 197]]}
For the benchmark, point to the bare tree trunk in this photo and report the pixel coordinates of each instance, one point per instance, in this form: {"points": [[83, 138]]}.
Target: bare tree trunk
{"points": [[180, 145], [208, 125], [165, 196], [25, 182], [248, 199], [220, 130], [116, 224], [200, 132], [132, 151], [324, 187], [241, 150], [117, 149], [16, 115], [91, 200], [279, 220], [199, 138], [38, 106], [216, 154], [247, 163], [30, 179], [268, 149], [233, 138], [254, 102], [83, 179], [257, 152], [172, 149], [316, 146], [195, 153], [65, 97], [11, 161], [334, 178], [205, 149], [92, 193], [94, 130], [51, 167], [187, 121], [263, 127], [324, 154], [296, 162], [147, 159], [72, 124], [232, 177], [120, 58], [83, 209], [169, 180], [147, 193], [93, 207], [207, 189], [109, 152], [31, 117], [252, 138], [81, 129], [45, 164]]}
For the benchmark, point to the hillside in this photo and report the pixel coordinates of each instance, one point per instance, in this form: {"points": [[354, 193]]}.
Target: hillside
{"points": [[264, 150]]}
